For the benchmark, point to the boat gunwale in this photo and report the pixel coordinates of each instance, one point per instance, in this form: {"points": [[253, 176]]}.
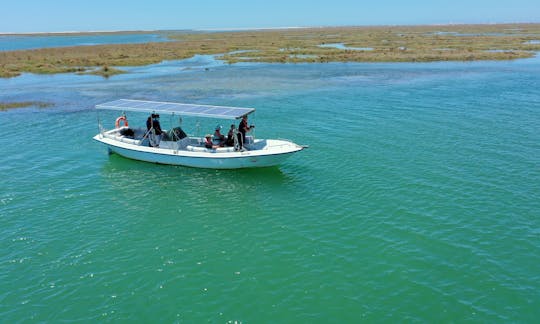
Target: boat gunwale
{"points": [[195, 154]]}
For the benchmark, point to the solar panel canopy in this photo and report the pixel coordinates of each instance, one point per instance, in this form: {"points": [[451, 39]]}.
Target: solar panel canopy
{"points": [[173, 108]]}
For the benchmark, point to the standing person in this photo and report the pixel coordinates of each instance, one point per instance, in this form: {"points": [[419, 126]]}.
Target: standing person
{"points": [[153, 122], [243, 128], [157, 125], [230, 136], [149, 123], [154, 137]]}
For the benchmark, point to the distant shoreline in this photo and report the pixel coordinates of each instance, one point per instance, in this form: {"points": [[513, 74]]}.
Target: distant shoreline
{"points": [[127, 32], [198, 30], [423, 43], [82, 33]]}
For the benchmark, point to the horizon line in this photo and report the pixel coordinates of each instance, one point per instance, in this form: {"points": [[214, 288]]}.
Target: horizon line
{"points": [[249, 28]]}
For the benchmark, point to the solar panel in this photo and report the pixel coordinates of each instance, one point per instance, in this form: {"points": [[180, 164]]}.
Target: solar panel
{"points": [[173, 108]]}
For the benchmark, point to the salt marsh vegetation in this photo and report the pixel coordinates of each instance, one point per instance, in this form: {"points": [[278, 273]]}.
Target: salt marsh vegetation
{"points": [[385, 44], [24, 104]]}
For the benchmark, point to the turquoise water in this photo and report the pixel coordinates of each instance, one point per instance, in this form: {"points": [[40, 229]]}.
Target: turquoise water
{"points": [[23, 42], [418, 199]]}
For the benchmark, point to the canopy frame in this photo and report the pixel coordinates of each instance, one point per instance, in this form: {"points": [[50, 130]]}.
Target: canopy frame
{"points": [[173, 108]]}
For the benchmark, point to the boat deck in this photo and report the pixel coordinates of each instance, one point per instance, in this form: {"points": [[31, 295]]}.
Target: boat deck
{"points": [[189, 143]]}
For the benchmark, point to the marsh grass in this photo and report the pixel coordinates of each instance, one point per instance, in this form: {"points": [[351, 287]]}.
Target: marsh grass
{"points": [[24, 104], [388, 44]]}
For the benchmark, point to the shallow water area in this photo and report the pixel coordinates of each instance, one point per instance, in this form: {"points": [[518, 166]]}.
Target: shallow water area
{"points": [[418, 198], [343, 47], [13, 42]]}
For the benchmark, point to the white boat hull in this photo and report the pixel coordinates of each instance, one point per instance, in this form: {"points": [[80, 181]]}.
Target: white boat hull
{"points": [[272, 153]]}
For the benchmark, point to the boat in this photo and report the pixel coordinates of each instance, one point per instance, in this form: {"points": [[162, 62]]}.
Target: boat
{"points": [[175, 147]]}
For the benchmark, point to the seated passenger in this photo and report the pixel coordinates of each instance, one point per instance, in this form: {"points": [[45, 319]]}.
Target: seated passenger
{"points": [[208, 142], [219, 138]]}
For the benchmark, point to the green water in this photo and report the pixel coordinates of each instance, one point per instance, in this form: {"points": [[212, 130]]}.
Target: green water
{"points": [[417, 201]]}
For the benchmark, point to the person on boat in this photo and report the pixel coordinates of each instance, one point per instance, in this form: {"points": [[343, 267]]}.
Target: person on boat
{"points": [[153, 122], [243, 128], [157, 125], [219, 138], [230, 136], [208, 142]]}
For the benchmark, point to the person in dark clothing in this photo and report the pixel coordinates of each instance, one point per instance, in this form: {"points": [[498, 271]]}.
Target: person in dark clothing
{"points": [[149, 123], [153, 122], [156, 125], [243, 128], [230, 136]]}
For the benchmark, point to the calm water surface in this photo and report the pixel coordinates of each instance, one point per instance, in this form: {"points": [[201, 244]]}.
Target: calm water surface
{"points": [[418, 199], [23, 42]]}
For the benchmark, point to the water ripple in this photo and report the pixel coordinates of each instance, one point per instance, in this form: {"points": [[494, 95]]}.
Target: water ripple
{"points": [[420, 181]]}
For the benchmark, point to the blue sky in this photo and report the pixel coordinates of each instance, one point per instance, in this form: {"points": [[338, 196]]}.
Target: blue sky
{"points": [[69, 15]]}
